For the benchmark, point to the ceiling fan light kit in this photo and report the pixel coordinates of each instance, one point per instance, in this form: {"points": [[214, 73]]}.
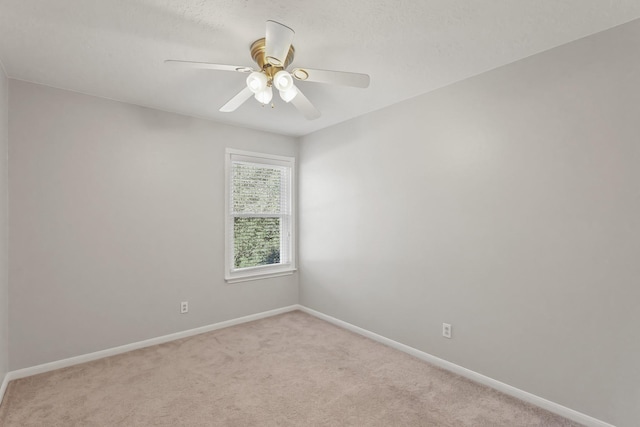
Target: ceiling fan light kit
{"points": [[283, 80], [289, 94], [257, 82], [264, 96], [273, 54]]}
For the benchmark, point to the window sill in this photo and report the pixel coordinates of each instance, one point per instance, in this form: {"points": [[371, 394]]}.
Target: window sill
{"points": [[258, 276]]}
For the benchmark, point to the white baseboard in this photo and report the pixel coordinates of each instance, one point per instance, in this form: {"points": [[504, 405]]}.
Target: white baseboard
{"points": [[51, 366], [467, 373], [3, 387]]}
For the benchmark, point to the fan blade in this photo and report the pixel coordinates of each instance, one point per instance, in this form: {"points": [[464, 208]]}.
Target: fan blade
{"points": [[236, 101], [277, 43], [331, 77], [305, 106], [209, 66]]}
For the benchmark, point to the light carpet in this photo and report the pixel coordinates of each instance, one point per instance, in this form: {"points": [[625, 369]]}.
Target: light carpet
{"points": [[288, 370]]}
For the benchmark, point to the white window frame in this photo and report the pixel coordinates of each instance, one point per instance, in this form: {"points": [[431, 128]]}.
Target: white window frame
{"points": [[264, 271]]}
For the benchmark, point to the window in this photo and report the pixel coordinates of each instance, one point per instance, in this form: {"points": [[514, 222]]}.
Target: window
{"points": [[259, 216]]}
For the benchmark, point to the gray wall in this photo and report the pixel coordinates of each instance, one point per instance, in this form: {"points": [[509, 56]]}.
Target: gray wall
{"points": [[4, 277], [117, 215], [507, 205]]}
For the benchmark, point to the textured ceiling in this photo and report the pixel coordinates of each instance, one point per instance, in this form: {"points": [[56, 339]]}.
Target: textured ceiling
{"points": [[116, 48]]}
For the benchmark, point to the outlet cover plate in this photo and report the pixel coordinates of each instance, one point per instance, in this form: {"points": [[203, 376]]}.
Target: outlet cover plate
{"points": [[446, 330]]}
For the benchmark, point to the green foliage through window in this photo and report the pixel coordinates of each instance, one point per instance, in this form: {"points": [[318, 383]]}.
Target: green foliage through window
{"points": [[256, 241]]}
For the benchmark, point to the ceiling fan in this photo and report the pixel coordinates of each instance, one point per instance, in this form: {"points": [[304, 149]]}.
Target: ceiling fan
{"points": [[274, 54]]}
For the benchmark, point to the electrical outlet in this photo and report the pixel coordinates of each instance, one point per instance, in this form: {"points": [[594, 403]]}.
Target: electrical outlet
{"points": [[184, 307], [446, 330]]}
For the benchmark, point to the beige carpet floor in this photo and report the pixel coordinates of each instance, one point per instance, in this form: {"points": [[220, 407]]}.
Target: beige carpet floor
{"points": [[287, 370]]}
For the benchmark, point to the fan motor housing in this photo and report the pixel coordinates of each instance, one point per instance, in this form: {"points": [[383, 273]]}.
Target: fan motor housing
{"points": [[258, 55]]}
